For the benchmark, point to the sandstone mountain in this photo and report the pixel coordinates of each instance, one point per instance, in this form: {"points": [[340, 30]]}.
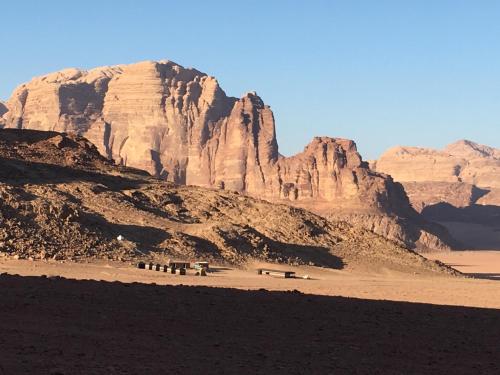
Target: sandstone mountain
{"points": [[462, 173], [179, 125], [462, 161], [458, 186], [61, 199]]}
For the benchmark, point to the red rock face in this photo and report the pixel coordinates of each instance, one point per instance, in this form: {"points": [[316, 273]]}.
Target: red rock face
{"points": [[179, 125]]}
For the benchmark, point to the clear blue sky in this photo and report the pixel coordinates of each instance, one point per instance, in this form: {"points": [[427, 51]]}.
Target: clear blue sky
{"points": [[421, 72]]}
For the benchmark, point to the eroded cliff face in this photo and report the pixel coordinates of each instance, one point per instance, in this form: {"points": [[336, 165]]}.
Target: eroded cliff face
{"points": [[331, 171], [176, 123], [179, 125]]}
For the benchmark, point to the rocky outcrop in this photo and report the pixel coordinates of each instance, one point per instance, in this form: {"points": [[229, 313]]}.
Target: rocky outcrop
{"points": [[179, 125]]}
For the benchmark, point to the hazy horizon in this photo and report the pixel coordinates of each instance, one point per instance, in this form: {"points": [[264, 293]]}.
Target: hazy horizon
{"points": [[382, 74]]}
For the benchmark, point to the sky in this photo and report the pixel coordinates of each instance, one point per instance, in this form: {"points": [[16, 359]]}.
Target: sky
{"points": [[384, 73]]}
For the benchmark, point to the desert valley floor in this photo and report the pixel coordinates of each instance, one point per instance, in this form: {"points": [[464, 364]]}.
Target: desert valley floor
{"points": [[481, 291], [112, 318]]}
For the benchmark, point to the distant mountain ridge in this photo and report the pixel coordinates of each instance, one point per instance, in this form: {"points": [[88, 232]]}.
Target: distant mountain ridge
{"points": [[471, 149], [458, 186], [462, 161]]}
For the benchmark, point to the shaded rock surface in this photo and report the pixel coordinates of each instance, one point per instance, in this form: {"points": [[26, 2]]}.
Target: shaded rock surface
{"points": [[61, 199], [179, 125], [3, 108], [458, 194]]}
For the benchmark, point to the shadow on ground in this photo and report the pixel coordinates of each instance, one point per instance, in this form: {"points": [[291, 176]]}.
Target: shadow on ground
{"points": [[51, 326], [486, 276]]}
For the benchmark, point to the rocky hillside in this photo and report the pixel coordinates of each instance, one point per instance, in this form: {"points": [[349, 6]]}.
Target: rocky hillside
{"points": [[179, 125], [61, 199], [458, 186]]}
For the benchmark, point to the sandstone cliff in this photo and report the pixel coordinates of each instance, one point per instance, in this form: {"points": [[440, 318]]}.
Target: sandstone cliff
{"points": [[179, 125]]}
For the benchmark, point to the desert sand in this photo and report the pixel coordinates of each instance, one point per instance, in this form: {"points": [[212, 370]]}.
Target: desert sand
{"points": [[112, 318], [381, 285], [479, 264]]}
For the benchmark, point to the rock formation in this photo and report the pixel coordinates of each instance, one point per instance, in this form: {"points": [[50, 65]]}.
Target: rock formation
{"points": [[179, 125], [458, 186], [61, 199]]}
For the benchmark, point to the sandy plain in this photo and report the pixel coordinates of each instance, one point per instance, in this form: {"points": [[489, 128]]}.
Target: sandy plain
{"points": [[481, 287], [112, 318]]}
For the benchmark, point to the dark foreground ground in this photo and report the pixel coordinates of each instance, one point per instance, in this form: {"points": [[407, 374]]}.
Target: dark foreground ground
{"points": [[60, 326]]}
